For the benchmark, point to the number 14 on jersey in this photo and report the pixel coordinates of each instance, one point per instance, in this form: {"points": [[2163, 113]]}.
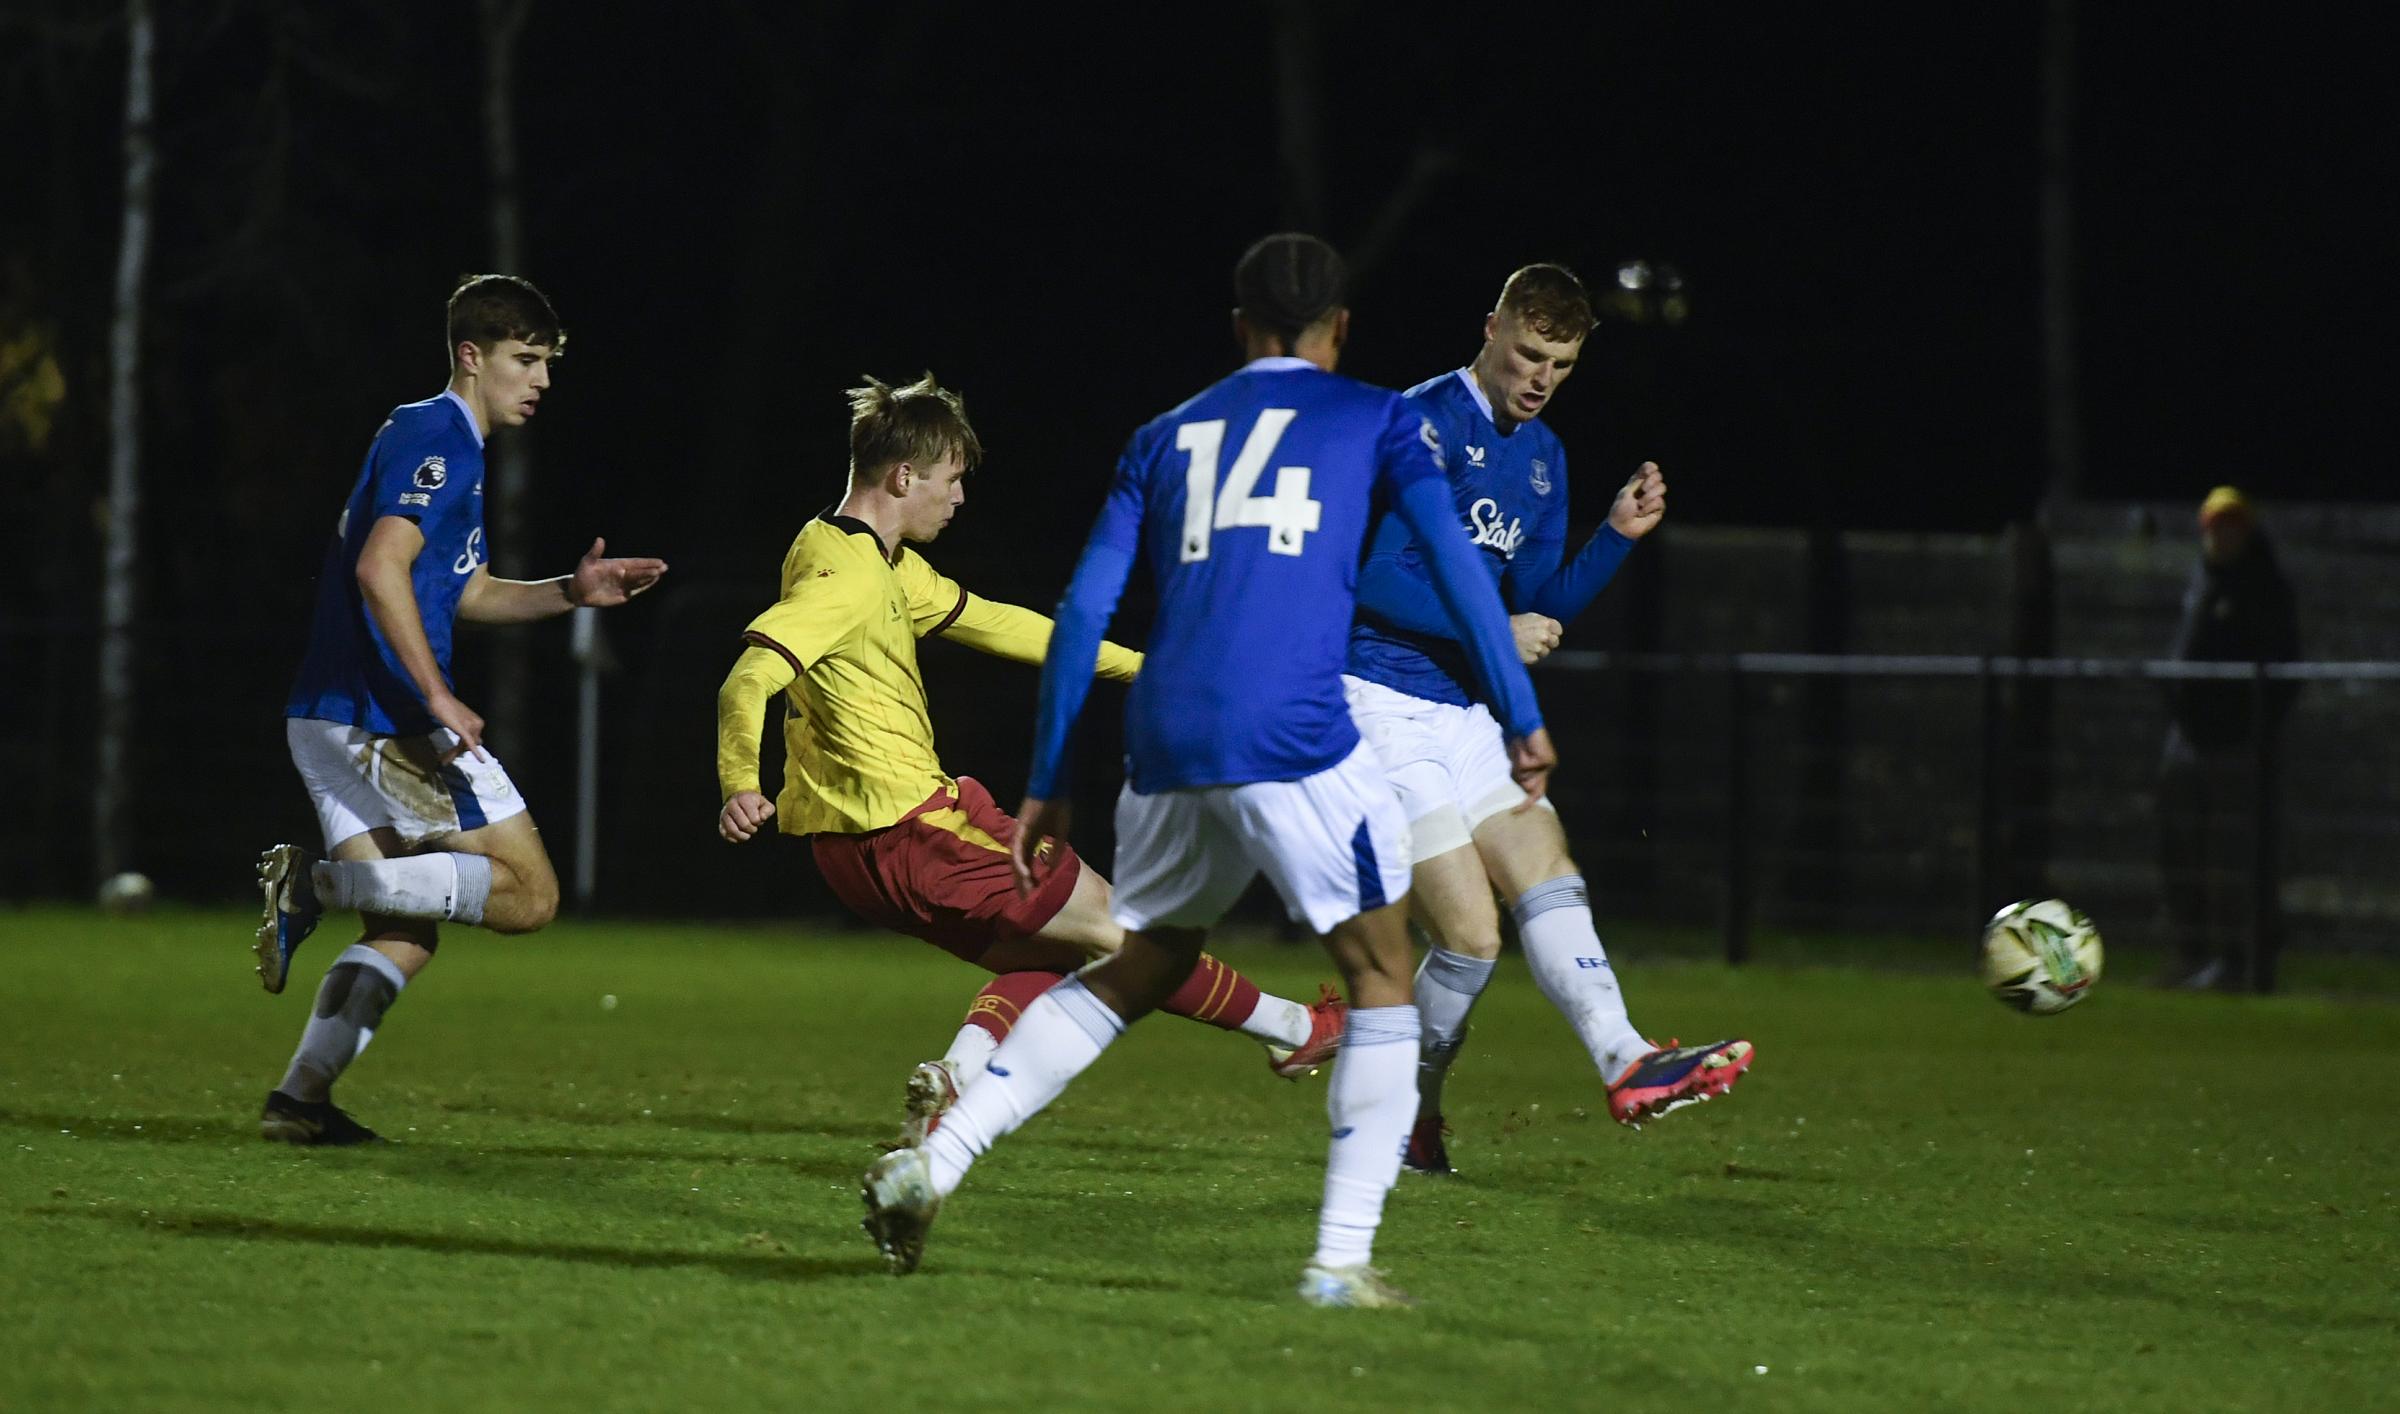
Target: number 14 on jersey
{"points": [[1287, 515]]}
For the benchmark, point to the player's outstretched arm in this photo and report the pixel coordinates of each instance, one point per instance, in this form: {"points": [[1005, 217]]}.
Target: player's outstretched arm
{"points": [[1021, 635], [598, 582], [1640, 505], [385, 583], [757, 675]]}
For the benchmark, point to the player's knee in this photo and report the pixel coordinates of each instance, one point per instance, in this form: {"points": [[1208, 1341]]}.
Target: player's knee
{"points": [[1161, 958], [527, 909], [417, 932], [1176, 944], [1400, 970], [1483, 944], [1533, 869], [1375, 981], [1472, 930]]}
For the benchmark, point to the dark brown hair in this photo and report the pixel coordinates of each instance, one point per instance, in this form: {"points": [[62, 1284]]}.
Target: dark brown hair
{"points": [[485, 309]]}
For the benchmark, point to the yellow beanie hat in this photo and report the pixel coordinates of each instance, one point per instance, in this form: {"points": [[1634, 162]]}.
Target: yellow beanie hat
{"points": [[2225, 501]]}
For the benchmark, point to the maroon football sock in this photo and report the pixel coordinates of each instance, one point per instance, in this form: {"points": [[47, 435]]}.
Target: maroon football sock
{"points": [[1215, 994], [1004, 999]]}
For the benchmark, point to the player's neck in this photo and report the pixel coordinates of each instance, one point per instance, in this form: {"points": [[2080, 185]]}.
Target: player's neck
{"points": [[1320, 349], [1494, 398], [463, 384], [877, 511]]}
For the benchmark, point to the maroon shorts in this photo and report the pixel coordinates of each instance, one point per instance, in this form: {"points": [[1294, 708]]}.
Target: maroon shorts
{"points": [[942, 874]]}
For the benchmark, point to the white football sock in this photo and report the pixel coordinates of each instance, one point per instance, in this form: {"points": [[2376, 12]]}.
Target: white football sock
{"points": [[1554, 922], [358, 989], [1447, 985], [969, 1051], [453, 887], [1279, 1021], [1060, 1035], [1372, 1102]]}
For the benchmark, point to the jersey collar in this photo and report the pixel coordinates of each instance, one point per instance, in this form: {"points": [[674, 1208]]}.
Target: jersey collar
{"points": [[1475, 391], [852, 525], [466, 412], [1275, 363]]}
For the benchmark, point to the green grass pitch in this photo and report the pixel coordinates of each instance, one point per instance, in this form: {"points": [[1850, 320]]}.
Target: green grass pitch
{"points": [[1917, 1200]]}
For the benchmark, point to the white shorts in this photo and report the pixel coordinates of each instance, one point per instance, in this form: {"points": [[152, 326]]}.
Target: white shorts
{"points": [[360, 781], [1448, 763], [1334, 844]]}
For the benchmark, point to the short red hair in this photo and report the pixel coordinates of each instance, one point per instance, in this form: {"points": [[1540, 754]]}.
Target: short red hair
{"points": [[1549, 300]]}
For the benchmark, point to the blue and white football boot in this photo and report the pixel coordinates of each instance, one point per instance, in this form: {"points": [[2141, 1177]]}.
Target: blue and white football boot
{"points": [[1361, 1286], [290, 914]]}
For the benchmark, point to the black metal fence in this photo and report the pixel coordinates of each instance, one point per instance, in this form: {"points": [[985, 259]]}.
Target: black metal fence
{"points": [[1914, 794]]}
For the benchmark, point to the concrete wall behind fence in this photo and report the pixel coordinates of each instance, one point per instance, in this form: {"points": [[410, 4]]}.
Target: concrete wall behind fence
{"points": [[1866, 794]]}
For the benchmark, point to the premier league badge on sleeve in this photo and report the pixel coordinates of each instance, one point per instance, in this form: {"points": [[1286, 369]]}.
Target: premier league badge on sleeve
{"points": [[1432, 441], [431, 473]]}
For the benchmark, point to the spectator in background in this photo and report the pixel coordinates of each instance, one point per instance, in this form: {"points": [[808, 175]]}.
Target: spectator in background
{"points": [[2237, 609]]}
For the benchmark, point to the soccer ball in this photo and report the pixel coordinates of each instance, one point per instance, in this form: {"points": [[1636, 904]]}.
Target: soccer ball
{"points": [[125, 893], [2040, 955]]}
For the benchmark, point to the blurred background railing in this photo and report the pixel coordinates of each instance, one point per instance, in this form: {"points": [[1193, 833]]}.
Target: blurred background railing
{"points": [[1915, 794]]}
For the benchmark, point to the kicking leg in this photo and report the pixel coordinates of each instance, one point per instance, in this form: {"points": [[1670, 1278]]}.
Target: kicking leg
{"points": [[1298, 1038], [1526, 854]]}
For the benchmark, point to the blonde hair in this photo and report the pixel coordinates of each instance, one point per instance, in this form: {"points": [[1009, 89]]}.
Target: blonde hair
{"points": [[918, 424]]}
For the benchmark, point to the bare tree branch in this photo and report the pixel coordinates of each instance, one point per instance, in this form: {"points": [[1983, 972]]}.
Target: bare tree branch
{"points": [[1431, 166], [1299, 123], [119, 598]]}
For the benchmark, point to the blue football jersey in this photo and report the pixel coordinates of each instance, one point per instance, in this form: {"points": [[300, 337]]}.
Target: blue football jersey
{"points": [[1510, 494], [1250, 502], [426, 463]]}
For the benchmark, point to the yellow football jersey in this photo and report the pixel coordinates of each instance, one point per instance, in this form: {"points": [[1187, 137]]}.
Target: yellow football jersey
{"points": [[841, 644]]}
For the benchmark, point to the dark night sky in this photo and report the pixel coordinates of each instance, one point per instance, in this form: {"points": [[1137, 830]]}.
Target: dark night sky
{"points": [[1046, 217], [741, 208]]}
